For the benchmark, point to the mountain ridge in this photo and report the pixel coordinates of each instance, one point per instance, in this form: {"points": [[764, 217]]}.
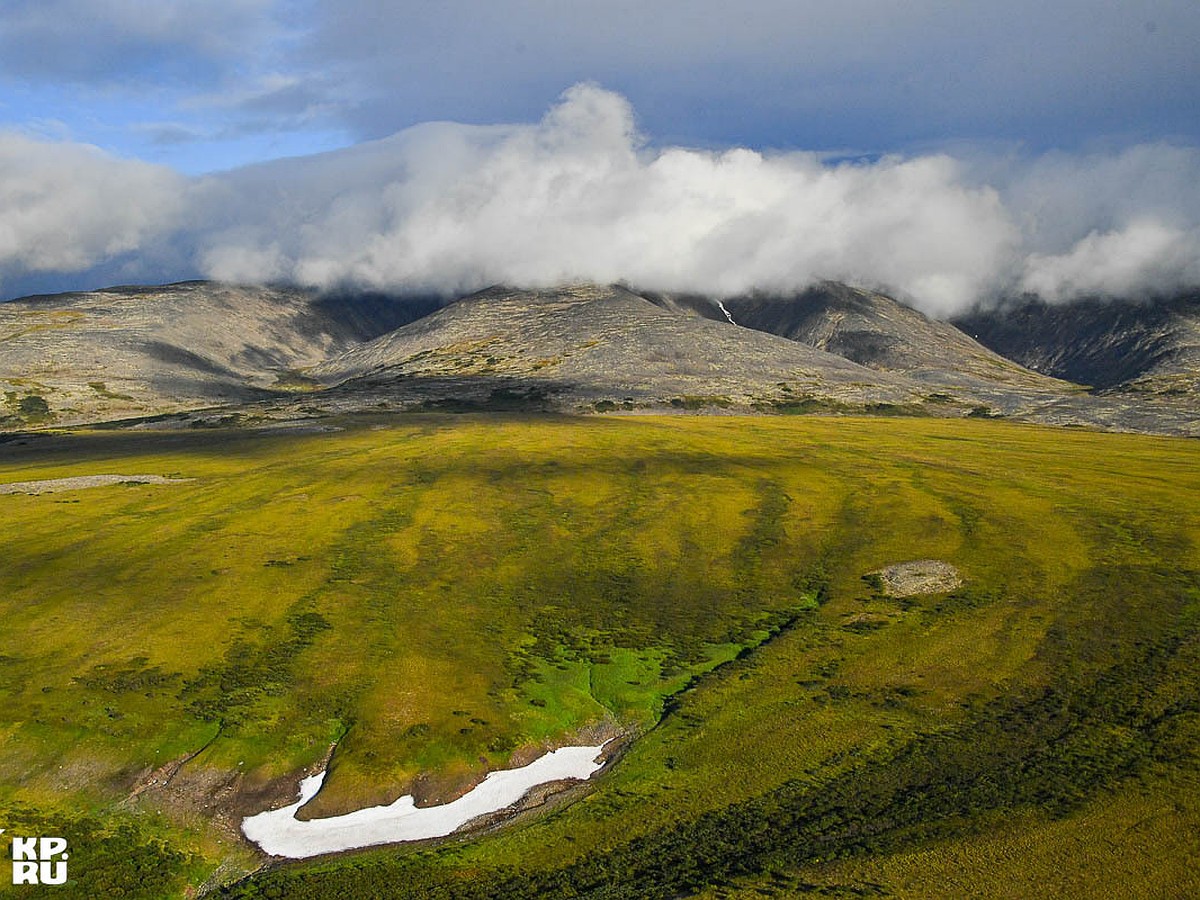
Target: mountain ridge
{"points": [[593, 343], [1111, 345], [144, 350], [284, 353]]}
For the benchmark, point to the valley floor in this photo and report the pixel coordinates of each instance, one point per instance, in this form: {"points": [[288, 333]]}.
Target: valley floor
{"points": [[440, 596]]}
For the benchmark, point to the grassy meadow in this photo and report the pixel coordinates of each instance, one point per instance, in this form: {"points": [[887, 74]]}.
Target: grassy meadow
{"points": [[433, 594]]}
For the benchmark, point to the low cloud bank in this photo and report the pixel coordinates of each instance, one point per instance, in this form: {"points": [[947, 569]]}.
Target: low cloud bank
{"points": [[68, 207], [581, 196]]}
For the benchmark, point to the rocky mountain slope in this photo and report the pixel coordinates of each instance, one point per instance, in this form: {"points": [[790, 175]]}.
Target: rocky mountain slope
{"points": [[280, 353], [133, 351], [588, 344], [876, 331], [1113, 346]]}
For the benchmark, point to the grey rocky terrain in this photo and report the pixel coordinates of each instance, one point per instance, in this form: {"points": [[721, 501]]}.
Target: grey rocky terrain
{"points": [[589, 345], [876, 331], [1114, 346], [1140, 358], [136, 351], [1119, 365], [211, 352]]}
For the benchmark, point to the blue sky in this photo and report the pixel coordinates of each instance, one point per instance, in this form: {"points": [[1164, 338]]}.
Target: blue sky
{"points": [[175, 93]]}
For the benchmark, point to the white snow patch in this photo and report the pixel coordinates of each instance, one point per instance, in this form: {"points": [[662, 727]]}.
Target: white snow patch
{"points": [[279, 833]]}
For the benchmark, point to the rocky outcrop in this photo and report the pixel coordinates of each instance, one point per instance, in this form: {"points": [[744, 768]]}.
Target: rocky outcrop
{"points": [[1150, 347], [222, 354], [584, 345], [920, 576], [135, 351]]}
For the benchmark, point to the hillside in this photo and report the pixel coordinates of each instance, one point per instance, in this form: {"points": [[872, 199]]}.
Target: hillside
{"points": [[588, 344], [435, 597], [200, 352], [1150, 347], [876, 331], [335, 576], [129, 351]]}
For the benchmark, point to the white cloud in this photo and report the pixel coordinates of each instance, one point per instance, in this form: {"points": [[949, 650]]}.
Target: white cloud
{"points": [[1060, 197], [577, 196], [581, 195], [67, 207], [1145, 256]]}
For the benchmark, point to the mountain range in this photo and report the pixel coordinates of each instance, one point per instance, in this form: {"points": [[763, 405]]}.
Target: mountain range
{"points": [[203, 352], [1114, 346]]}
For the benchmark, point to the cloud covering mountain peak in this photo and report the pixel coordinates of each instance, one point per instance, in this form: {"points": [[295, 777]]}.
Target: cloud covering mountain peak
{"points": [[583, 195]]}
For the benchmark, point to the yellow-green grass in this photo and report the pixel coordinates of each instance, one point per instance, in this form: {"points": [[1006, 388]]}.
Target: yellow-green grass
{"points": [[1139, 842], [434, 593]]}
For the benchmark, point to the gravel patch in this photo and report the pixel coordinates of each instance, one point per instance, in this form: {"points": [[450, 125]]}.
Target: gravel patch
{"points": [[921, 576], [82, 482]]}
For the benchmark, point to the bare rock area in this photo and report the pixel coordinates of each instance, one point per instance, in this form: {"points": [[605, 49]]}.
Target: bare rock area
{"points": [[921, 576], [207, 354], [82, 482]]}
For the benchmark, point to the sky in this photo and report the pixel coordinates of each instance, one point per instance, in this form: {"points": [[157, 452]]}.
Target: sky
{"points": [[950, 152]]}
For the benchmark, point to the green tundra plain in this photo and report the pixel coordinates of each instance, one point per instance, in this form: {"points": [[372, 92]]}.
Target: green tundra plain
{"points": [[432, 595]]}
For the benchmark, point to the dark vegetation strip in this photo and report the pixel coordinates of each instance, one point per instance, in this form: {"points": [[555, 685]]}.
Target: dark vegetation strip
{"points": [[251, 669], [104, 851], [1113, 709]]}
